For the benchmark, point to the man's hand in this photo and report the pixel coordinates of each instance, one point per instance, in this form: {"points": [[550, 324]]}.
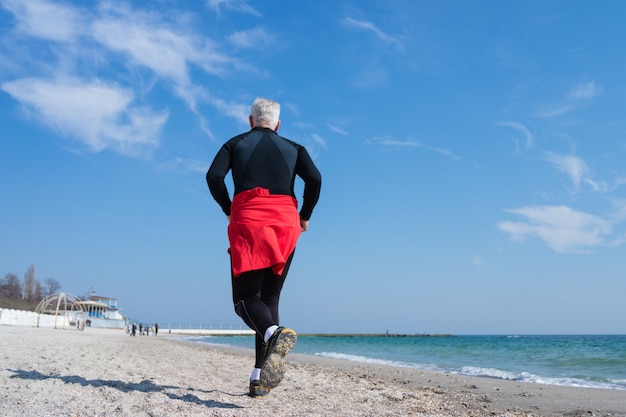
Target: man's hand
{"points": [[304, 224]]}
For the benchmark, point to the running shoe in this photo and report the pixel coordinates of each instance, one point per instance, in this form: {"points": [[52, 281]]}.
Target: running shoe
{"points": [[256, 390], [279, 345]]}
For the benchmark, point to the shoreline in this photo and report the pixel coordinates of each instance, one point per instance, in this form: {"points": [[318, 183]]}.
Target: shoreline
{"points": [[527, 374], [101, 372], [525, 398]]}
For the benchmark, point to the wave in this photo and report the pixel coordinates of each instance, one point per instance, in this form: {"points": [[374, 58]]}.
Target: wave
{"points": [[485, 372], [538, 379], [366, 359]]}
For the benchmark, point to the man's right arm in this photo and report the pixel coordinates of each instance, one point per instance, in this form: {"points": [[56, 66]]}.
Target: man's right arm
{"points": [[215, 178]]}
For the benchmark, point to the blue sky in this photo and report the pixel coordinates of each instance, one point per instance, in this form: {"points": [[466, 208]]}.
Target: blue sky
{"points": [[472, 156]]}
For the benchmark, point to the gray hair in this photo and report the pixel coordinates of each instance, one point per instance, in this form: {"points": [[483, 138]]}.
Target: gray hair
{"points": [[265, 112]]}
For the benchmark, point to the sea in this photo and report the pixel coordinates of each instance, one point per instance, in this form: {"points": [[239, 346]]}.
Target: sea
{"points": [[591, 361]]}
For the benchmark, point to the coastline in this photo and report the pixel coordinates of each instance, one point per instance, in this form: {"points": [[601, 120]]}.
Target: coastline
{"points": [[102, 372]]}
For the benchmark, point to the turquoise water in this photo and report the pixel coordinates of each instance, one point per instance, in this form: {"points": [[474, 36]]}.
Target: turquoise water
{"points": [[583, 361]]}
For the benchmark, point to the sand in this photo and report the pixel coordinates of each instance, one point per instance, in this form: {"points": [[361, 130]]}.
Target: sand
{"points": [[97, 372]]}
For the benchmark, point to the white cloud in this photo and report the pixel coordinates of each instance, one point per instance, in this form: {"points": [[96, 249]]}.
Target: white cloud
{"points": [[291, 108], [558, 110], [394, 143], [148, 46], [122, 35], [45, 20], [445, 152], [578, 96], [584, 91], [234, 5], [303, 125], [319, 140], [193, 94], [561, 228], [338, 130], [575, 168], [151, 43], [370, 27], [237, 111], [97, 114], [251, 39], [579, 173], [168, 52], [186, 165], [528, 137]]}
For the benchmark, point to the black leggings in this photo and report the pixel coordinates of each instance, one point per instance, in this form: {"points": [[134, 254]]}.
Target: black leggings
{"points": [[255, 296]]}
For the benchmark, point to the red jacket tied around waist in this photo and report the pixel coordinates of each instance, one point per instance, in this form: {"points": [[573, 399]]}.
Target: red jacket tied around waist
{"points": [[263, 230]]}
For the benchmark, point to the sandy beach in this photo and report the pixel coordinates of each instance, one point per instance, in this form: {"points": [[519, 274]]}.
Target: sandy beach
{"points": [[48, 372]]}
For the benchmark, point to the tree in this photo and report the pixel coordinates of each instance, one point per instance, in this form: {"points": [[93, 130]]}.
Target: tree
{"points": [[11, 286], [29, 283], [52, 286], [38, 294]]}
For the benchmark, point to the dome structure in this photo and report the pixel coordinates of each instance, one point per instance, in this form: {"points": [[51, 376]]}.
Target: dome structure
{"points": [[68, 306]]}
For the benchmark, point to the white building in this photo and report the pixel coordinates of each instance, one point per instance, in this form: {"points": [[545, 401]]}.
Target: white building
{"points": [[102, 312]]}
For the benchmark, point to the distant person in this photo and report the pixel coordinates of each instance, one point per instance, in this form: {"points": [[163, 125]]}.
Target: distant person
{"points": [[264, 227], [156, 329]]}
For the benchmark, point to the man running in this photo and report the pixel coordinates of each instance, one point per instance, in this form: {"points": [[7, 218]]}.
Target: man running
{"points": [[263, 229]]}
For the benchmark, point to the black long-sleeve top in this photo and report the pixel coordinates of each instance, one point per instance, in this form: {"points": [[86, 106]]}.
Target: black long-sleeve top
{"points": [[262, 158]]}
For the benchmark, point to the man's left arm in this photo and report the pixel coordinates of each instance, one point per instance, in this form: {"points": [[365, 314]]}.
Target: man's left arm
{"points": [[306, 169]]}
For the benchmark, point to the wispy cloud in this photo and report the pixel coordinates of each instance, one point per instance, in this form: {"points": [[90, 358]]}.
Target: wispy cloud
{"points": [[584, 91], [112, 32], [45, 20], [410, 143], [579, 173], [395, 143], [578, 96], [528, 139], [150, 42], [319, 140], [236, 110], [370, 27], [561, 228], [574, 167], [233, 5], [186, 165], [99, 115], [445, 152], [290, 107], [251, 39], [338, 130]]}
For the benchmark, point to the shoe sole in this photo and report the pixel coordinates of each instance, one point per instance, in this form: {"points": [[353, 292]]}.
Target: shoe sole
{"points": [[257, 391], [273, 369]]}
